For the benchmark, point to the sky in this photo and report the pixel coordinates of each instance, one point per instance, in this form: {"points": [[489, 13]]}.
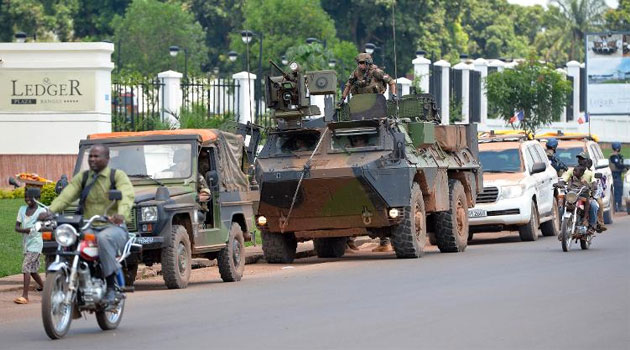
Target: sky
{"points": [[611, 3]]}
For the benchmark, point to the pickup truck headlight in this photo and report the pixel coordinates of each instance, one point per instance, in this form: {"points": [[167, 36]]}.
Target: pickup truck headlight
{"points": [[149, 214], [512, 191]]}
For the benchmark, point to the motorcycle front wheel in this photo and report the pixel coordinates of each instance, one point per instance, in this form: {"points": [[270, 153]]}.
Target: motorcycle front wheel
{"points": [[585, 243], [56, 315], [565, 234]]}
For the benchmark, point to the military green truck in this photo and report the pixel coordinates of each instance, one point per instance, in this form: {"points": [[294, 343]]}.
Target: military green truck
{"points": [[170, 222], [373, 167]]}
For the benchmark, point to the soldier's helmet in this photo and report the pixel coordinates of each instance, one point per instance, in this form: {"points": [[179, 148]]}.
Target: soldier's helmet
{"points": [[364, 57], [616, 146], [552, 143]]}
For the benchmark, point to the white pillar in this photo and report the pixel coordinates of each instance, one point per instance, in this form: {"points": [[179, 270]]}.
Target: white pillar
{"points": [[497, 63], [405, 86], [465, 68], [481, 66], [563, 114], [246, 103], [573, 70], [445, 90], [421, 66], [172, 96]]}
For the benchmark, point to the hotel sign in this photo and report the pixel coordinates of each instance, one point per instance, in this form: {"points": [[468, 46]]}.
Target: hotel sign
{"points": [[32, 91]]}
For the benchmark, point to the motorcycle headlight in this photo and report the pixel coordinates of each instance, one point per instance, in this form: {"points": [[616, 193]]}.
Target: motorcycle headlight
{"points": [[149, 213], [65, 235], [571, 197], [512, 191]]}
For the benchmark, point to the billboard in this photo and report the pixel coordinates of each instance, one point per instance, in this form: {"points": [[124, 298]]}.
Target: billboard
{"points": [[46, 91], [608, 73]]}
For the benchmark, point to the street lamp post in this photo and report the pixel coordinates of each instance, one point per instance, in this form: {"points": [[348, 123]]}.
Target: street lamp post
{"points": [[20, 37], [370, 48], [247, 36], [174, 50]]}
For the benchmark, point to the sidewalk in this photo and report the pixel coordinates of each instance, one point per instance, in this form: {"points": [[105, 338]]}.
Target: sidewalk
{"points": [[253, 255]]}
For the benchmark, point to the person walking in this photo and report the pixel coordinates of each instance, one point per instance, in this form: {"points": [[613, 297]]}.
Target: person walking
{"points": [[32, 244]]}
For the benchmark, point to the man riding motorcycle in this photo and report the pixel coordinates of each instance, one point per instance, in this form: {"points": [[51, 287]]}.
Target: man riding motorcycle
{"points": [[581, 174], [91, 188]]}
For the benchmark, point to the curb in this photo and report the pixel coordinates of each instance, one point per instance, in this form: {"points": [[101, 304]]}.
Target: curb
{"points": [[147, 272]]}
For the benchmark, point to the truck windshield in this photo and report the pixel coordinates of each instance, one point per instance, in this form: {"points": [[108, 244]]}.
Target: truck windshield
{"points": [[158, 161], [567, 155], [350, 138], [503, 161]]}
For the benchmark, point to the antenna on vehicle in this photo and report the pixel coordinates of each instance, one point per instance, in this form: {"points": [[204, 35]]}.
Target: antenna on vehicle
{"points": [[395, 58]]}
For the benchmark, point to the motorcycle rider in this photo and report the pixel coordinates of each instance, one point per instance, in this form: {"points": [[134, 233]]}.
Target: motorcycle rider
{"points": [[583, 175], [93, 193], [598, 194], [556, 163]]}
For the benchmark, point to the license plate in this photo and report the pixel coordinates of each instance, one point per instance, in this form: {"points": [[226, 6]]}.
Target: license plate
{"points": [[477, 213], [144, 240]]}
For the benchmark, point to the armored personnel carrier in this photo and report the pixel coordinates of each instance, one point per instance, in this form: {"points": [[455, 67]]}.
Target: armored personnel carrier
{"points": [[373, 167]]}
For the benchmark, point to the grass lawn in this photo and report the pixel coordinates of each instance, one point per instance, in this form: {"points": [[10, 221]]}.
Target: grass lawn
{"points": [[625, 152], [10, 241]]}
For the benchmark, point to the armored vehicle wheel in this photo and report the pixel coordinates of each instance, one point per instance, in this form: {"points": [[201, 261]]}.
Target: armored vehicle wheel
{"points": [[552, 227], [410, 236], [608, 214], [330, 247], [232, 258], [278, 248], [529, 231], [451, 229], [176, 259]]}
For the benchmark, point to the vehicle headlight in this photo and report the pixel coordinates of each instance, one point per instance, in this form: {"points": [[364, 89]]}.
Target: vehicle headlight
{"points": [[571, 197], [65, 235], [262, 221], [393, 213], [149, 213], [512, 191]]}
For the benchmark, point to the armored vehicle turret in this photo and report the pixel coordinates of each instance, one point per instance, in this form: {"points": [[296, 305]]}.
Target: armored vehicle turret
{"points": [[373, 167]]}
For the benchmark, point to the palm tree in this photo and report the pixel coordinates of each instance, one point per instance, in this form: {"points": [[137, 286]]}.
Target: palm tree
{"points": [[579, 17]]}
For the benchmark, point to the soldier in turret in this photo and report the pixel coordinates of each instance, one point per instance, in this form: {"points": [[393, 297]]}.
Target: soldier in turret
{"points": [[368, 79]]}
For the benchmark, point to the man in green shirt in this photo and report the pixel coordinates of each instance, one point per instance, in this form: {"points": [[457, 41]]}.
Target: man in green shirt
{"points": [[111, 237]]}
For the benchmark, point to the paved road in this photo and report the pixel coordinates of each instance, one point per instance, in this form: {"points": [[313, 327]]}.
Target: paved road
{"points": [[499, 294]]}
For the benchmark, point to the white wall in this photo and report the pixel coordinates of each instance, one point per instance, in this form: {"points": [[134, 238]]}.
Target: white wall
{"points": [[51, 131]]}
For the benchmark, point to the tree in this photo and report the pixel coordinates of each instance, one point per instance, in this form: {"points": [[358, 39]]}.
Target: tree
{"points": [[532, 87], [577, 18], [50, 20], [149, 28], [619, 19], [93, 19]]}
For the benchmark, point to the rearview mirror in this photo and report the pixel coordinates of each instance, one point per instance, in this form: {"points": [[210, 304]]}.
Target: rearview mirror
{"points": [[13, 182], [212, 177], [538, 167], [602, 163], [114, 195]]}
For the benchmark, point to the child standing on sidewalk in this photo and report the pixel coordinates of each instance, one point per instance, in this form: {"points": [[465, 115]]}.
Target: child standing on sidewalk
{"points": [[32, 243]]}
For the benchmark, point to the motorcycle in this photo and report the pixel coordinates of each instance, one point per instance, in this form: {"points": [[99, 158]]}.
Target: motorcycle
{"points": [[74, 281], [574, 199]]}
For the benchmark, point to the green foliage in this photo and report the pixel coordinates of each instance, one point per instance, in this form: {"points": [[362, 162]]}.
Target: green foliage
{"points": [[618, 19], [532, 87], [48, 20], [454, 111], [197, 117], [283, 24], [48, 193], [149, 28], [11, 242], [17, 193]]}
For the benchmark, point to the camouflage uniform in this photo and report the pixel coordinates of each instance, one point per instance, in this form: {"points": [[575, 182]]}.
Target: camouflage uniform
{"points": [[371, 80]]}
